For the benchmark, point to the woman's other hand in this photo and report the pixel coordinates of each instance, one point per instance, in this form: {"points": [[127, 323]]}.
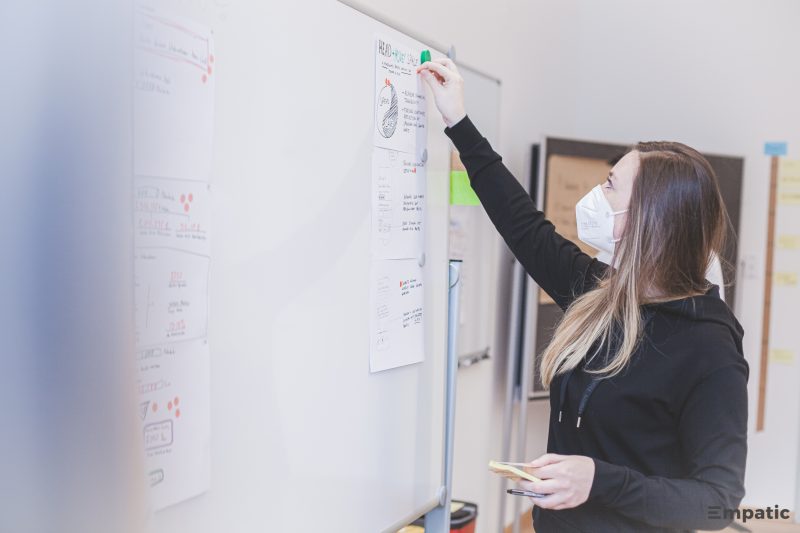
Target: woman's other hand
{"points": [[565, 480], [448, 88]]}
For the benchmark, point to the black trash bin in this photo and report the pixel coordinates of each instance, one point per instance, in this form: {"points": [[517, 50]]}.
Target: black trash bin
{"points": [[463, 516]]}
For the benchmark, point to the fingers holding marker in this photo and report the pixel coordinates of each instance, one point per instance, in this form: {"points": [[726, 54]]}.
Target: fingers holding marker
{"points": [[447, 62], [442, 68], [434, 81], [443, 72], [429, 73], [446, 85]]}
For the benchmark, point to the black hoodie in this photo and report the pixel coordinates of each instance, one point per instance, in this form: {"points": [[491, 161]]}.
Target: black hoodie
{"points": [[668, 435]]}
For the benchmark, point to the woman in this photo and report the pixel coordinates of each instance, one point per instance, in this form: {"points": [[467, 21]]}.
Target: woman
{"points": [[648, 384]]}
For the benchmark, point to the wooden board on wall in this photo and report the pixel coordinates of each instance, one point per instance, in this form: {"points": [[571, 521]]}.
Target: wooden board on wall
{"points": [[571, 177]]}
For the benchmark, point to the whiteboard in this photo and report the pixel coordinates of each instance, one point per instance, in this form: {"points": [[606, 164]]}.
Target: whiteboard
{"points": [[303, 436]]}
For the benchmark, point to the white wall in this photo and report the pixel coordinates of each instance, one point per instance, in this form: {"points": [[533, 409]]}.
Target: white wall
{"points": [[721, 76]]}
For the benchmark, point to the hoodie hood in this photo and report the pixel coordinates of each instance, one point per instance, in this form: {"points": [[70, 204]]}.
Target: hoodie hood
{"points": [[708, 307]]}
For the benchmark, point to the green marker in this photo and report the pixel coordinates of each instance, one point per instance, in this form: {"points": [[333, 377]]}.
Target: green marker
{"points": [[424, 56]]}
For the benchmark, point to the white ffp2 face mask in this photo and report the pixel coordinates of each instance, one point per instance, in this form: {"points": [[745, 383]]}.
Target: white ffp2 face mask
{"points": [[595, 220]]}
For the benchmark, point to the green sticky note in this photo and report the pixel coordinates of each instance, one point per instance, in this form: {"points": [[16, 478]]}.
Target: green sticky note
{"points": [[461, 192]]}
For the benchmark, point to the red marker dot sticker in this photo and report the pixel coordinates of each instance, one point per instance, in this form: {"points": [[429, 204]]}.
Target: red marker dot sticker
{"points": [[169, 406], [209, 70], [183, 198], [177, 413], [191, 197], [155, 407], [176, 401], [205, 78]]}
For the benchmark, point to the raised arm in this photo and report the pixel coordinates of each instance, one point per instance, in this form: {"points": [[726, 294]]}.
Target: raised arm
{"points": [[557, 264]]}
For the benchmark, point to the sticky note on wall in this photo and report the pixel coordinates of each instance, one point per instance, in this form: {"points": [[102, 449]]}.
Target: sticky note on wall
{"points": [[780, 355], [789, 174], [789, 242], [786, 279], [461, 192], [775, 148], [789, 198]]}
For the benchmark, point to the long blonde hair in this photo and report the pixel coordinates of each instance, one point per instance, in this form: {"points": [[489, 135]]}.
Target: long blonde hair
{"points": [[676, 220]]}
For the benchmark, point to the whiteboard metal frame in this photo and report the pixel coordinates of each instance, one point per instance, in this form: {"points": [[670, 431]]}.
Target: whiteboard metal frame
{"points": [[438, 519], [373, 13]]}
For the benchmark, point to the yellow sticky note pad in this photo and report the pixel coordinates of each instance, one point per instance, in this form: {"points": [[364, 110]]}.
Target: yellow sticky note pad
{"points": [[789, 242], [461, 192], [789, 173], [786, 279], [789, 198], [782, 356], [512, 471]]}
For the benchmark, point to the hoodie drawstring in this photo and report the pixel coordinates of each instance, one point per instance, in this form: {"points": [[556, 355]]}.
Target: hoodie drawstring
{"points": [[584, 398], [587, 392]]}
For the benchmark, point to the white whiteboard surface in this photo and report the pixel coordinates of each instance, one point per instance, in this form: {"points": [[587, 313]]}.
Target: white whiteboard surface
{"points": [[304, 438], [481, 253], [479, 394]]}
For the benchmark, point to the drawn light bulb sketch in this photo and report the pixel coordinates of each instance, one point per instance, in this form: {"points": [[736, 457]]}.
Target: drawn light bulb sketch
{"points": [[387, 109]]}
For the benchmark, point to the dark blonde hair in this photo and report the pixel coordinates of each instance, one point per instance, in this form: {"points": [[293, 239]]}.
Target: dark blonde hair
{"points": [[676, 222]]}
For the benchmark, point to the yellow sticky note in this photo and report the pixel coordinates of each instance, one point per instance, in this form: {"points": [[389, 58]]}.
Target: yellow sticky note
{"points": [[786, 279], [789, 173], [789, 198], [780, 355], [789, 242], [461, 192], [513, 471]]}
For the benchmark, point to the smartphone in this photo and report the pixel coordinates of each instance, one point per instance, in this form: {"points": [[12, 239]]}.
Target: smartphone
{"points": [[520, 492]]}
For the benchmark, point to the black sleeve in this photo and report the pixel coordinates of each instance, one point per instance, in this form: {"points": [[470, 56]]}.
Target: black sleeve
{"points": [[555, 263], [713, 433]]}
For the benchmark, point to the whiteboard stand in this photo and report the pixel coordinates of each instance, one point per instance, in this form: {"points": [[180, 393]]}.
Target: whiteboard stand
{"points": [[525, 362], [438, 520], [512, 389]]}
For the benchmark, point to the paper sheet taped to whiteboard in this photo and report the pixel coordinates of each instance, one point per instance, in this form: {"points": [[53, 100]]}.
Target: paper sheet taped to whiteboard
{"points": [[400, 107], [397, 326], [398, 205], [174, 97], [174, 404]]}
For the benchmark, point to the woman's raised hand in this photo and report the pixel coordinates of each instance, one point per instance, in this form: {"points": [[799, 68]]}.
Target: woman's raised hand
{"points": [[448, 88]]}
